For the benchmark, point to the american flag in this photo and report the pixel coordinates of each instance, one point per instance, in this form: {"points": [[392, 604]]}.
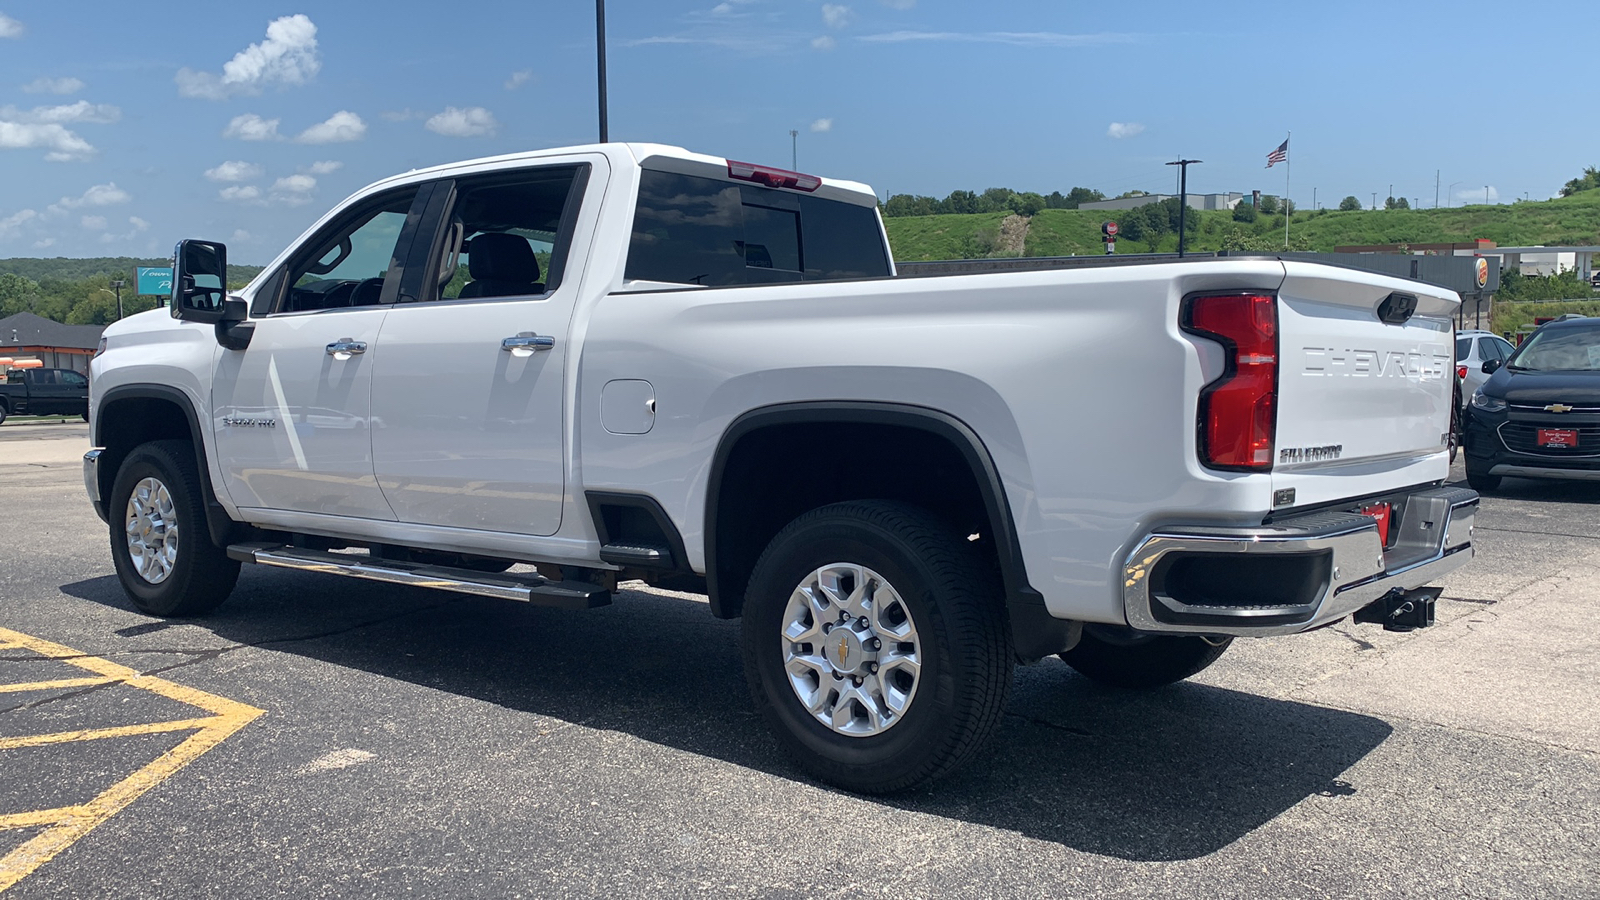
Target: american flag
{"points": [[1279, 155]]}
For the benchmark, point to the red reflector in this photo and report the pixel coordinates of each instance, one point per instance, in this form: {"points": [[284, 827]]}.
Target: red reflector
{"points": [[1238, 413], [1383, 514], [777, 178], [1461, 371]]}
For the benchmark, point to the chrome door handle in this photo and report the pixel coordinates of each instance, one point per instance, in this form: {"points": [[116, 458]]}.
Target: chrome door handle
{"points": [[344, 348], [527, 343]]}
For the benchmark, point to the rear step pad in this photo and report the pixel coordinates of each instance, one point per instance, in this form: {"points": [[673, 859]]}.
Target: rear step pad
{"points": [[527, 588]]}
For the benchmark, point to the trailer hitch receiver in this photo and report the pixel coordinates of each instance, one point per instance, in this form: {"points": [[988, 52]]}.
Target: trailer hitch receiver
{"points": [[1401, 610]]}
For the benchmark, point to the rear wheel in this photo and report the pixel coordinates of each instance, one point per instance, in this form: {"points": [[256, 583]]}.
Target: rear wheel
{"points": [[163, 555], [875, 646], [1119, 658]]}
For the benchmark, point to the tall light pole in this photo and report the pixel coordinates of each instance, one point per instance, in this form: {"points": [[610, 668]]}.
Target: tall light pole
{"points": [[118, 286], [794, 149], [1486, 195], [1374, 199], [1183, 196], [600, 56], [1450, 191]]}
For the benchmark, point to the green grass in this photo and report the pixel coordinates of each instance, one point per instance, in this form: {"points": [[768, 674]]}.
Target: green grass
{"points": [[1065, 232]]}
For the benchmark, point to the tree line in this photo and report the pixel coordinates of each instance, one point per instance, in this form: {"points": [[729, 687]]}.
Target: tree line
{"points": [[1025, 203], [79, 291]]}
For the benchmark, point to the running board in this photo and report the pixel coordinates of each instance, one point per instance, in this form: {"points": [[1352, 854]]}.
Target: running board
{"points": [[526, 588]]}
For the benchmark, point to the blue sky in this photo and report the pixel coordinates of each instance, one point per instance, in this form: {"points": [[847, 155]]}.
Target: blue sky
{"points": [[124, 127]]}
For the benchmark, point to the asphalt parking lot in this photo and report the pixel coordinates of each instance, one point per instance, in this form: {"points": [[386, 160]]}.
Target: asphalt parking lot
{"points": [[384, 741]]}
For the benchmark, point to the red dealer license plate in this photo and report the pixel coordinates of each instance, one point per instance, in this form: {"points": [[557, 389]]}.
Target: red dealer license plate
{"points": [[1558, 438]]}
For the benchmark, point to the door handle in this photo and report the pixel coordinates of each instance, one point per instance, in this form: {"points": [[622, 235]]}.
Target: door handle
{"points": [[527, 343], [344, 348]]}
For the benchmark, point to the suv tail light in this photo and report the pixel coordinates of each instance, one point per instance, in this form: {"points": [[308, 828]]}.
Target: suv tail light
{"points": [[1461, 372], [1238, 412]]}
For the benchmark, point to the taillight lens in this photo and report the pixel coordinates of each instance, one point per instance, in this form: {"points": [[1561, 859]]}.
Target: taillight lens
{"points": [[1238, 412], [1461, 372], [775, 178]]}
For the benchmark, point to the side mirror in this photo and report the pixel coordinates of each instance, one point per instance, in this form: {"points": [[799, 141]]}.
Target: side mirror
{"points": [[199, 281], [1490, 365]]}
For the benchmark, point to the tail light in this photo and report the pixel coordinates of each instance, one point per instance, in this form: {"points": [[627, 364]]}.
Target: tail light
{"points": [[1461, 372], [775, 178], [1238, 412]]}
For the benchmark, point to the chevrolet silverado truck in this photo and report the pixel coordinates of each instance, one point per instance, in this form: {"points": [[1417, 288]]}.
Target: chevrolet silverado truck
{"points": [[539, 376], [44, 392]]}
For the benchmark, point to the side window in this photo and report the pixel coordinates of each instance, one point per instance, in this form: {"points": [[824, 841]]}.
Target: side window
{"points": [[505, 235], [73, 378], [1487, 350], [1505, 347], [693, 230], [346, 265], [1463, 348], [44, 376]]}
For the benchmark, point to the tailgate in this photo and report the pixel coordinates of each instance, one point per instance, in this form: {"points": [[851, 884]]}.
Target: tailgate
{"points": [[1363, 404]]}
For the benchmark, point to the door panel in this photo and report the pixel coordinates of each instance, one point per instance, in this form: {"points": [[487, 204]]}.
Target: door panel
{"points": [[472, 433]]}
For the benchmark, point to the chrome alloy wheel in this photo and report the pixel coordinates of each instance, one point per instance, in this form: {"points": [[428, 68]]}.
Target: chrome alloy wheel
{"points": [[850, 650], [152, 527]]}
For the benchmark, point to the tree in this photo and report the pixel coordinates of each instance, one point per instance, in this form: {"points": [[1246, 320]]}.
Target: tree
{"points": [[1588, 182], [1027, 203], [1244, 212], [1396, 203], [910, 205], [17, 294], [1269, 204], [1349, 203], [1133, 193], [960, 202], [1081, 195]]}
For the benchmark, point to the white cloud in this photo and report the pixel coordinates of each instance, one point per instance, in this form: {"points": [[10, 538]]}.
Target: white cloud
{"points": [[293, 190], [473, 121], [82, 111], [722, 9], [287, 57], [94, 223], [1015, 38], [251, 127], [9, 27], [1471, 195], [1123, 129], [836, 15], [342, 126], [54, 86], [822, 125], [825, 42], [518, 79], [240, 193], [14, 221], [44, 242], [63, 145], [240, 235], [325, 166], [107, 194], [235, 170], [136, 225]]}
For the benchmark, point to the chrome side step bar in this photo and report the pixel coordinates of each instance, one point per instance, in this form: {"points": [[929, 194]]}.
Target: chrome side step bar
{"points": [[526, 588]]}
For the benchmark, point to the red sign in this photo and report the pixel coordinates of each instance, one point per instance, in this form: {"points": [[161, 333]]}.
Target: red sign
{"points": [[1109, 228], [1558, 438]]}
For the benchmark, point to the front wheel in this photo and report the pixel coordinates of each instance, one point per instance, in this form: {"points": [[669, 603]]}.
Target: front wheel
{"points": [[875, 645], [163, 555], [1481, 481], [1125, 660]]}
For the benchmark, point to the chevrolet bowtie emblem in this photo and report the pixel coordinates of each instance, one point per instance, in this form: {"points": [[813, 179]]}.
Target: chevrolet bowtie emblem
{"points": [[844, 651], [1558, 408]]}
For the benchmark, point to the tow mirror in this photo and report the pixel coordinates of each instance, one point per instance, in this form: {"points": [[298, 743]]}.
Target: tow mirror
{"points": [[1490, 365], [200, 281]]}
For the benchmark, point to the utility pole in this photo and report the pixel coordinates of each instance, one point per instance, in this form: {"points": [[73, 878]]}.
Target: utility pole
{"points": [[1183, 196], [600, 57], [117, 286], [1391, 194], [1435, 188], [794, 149], [1374, 199], [1486, 195]]}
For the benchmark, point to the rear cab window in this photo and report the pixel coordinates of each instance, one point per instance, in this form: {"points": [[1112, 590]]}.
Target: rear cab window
{"points": [[699, 227]]}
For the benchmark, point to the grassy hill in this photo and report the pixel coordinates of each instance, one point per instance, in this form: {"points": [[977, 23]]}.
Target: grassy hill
{"points": [[1065, 232]]}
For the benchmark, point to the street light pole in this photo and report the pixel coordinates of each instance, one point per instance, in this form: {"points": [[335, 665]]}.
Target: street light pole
{"points": [[118, 286], [1449, 192], [1183, 196], [600, 56], [794, 149]]}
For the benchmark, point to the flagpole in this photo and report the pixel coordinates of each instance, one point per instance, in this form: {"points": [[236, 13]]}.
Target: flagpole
{"points": [[1287, 169]]}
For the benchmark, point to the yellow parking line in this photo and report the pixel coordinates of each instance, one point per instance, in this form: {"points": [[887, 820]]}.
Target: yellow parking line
{"points": [[66, 824], [52, 685]]}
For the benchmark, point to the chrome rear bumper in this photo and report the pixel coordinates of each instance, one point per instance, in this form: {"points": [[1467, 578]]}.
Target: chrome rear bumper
{"points": [[1295, 574]]}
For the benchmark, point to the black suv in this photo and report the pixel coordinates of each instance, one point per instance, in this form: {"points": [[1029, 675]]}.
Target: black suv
{"points": [[1538, 415]]}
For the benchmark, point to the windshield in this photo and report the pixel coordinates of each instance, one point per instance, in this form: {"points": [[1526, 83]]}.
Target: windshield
{"points": [[1561, 350]]}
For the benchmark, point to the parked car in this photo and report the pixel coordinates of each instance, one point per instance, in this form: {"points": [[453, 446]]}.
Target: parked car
{"points": [[44, 392], [704, 374], [1538, 414], [1473, 349]]}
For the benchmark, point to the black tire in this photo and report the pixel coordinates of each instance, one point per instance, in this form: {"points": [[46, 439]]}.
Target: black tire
{"points": [[1146, 661], [201, 574], [3, 413], [1481, 481], [964, 644]]}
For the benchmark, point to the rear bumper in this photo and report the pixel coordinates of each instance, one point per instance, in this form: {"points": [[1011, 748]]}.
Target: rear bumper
{"points": [[1294, 574]]}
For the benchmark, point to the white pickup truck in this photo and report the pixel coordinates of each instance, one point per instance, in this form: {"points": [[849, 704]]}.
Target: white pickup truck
{"points": [[537, 376]]}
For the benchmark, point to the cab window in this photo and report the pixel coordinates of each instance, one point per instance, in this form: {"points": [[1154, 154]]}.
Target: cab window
{"points": [[505, 235], [349, 264]]}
